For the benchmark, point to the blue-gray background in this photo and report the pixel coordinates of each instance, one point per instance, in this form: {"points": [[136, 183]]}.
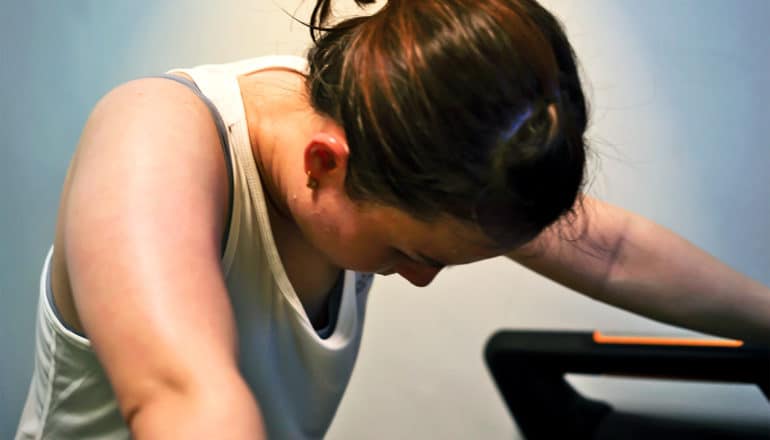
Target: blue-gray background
{"points": [[681, 110]]}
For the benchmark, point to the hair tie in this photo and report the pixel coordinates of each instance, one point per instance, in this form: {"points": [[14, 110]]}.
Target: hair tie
{"points": [[517, 123]]}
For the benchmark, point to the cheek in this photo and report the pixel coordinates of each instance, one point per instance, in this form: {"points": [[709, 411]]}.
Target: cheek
{"points": [[365, 256], [367, 262], [355, 248], [372, 258]]}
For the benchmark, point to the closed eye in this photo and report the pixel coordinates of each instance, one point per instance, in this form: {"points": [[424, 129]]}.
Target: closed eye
{"points": [[421, 259], [431, 261]]}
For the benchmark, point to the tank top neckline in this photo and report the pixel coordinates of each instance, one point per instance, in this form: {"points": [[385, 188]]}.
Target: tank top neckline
{"points": [[240, 134]]}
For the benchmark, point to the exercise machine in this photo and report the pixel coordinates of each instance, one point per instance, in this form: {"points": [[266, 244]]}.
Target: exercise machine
{"points": [[530, 367]]}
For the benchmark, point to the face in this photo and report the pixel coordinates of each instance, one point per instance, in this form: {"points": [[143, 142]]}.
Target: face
{"points": [[388, 241], [372, 238]]}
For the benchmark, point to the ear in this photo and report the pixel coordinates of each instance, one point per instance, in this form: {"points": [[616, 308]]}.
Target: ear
{"points": [[326, 158]]}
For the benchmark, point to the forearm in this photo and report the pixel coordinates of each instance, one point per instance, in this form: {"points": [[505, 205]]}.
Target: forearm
{"points": [[625, 260], [195, 415], [660, 275]]}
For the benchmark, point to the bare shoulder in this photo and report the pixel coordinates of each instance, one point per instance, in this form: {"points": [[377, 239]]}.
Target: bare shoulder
{"points": [[146, 142], [151, 129], [152, 101], [138, 241]]}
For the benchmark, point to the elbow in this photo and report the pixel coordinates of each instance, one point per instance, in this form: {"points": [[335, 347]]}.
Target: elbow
{"points": [[214, 410]]}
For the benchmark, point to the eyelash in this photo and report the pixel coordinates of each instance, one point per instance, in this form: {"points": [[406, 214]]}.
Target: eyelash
{"points": [[404, 256]]}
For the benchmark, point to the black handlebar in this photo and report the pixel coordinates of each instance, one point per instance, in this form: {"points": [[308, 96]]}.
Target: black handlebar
{"points": [[530, 367]]}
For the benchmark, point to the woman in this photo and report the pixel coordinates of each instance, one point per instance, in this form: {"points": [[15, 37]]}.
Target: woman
{"points": [[191, 293]]}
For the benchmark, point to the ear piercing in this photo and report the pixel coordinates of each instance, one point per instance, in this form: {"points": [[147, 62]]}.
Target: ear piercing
{"points": [[312, 183]]}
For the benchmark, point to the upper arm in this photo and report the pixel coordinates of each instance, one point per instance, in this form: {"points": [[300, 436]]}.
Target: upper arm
{"points": [[579, 251], [143, 220]]}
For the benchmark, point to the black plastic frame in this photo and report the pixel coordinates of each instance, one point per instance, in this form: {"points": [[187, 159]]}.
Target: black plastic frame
{"points": [[529, 368]]}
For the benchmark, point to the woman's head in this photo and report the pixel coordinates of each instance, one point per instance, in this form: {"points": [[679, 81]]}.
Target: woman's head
{"points": [[466, 108]]}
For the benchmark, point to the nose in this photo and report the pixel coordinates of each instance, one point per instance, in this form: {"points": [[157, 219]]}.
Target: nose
{"points": [[420, 276]]}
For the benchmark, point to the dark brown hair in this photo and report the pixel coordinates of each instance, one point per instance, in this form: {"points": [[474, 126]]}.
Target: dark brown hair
{"points": [[445, 108]]}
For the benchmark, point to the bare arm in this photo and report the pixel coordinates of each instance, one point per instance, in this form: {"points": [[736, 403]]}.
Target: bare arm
{"points": [[630, 262], [143, 220]]}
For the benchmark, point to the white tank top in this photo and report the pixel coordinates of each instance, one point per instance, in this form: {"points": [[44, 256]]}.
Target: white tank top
{"points": [[297, 377]]}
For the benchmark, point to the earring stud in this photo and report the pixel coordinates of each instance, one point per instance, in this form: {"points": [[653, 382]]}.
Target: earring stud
{"points": [[312, 183]]}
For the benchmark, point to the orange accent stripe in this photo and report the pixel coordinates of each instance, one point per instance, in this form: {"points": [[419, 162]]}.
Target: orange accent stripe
{"points": [[600, 338]]}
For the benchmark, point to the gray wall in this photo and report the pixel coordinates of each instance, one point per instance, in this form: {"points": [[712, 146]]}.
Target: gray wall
{"points": [[680, 93]]}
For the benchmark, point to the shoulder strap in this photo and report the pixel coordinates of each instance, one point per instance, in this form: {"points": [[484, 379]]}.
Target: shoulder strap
{"points": [[223, 140]]}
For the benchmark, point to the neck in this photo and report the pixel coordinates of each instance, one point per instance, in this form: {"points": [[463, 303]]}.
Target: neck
{"points": [[280, 121]]}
